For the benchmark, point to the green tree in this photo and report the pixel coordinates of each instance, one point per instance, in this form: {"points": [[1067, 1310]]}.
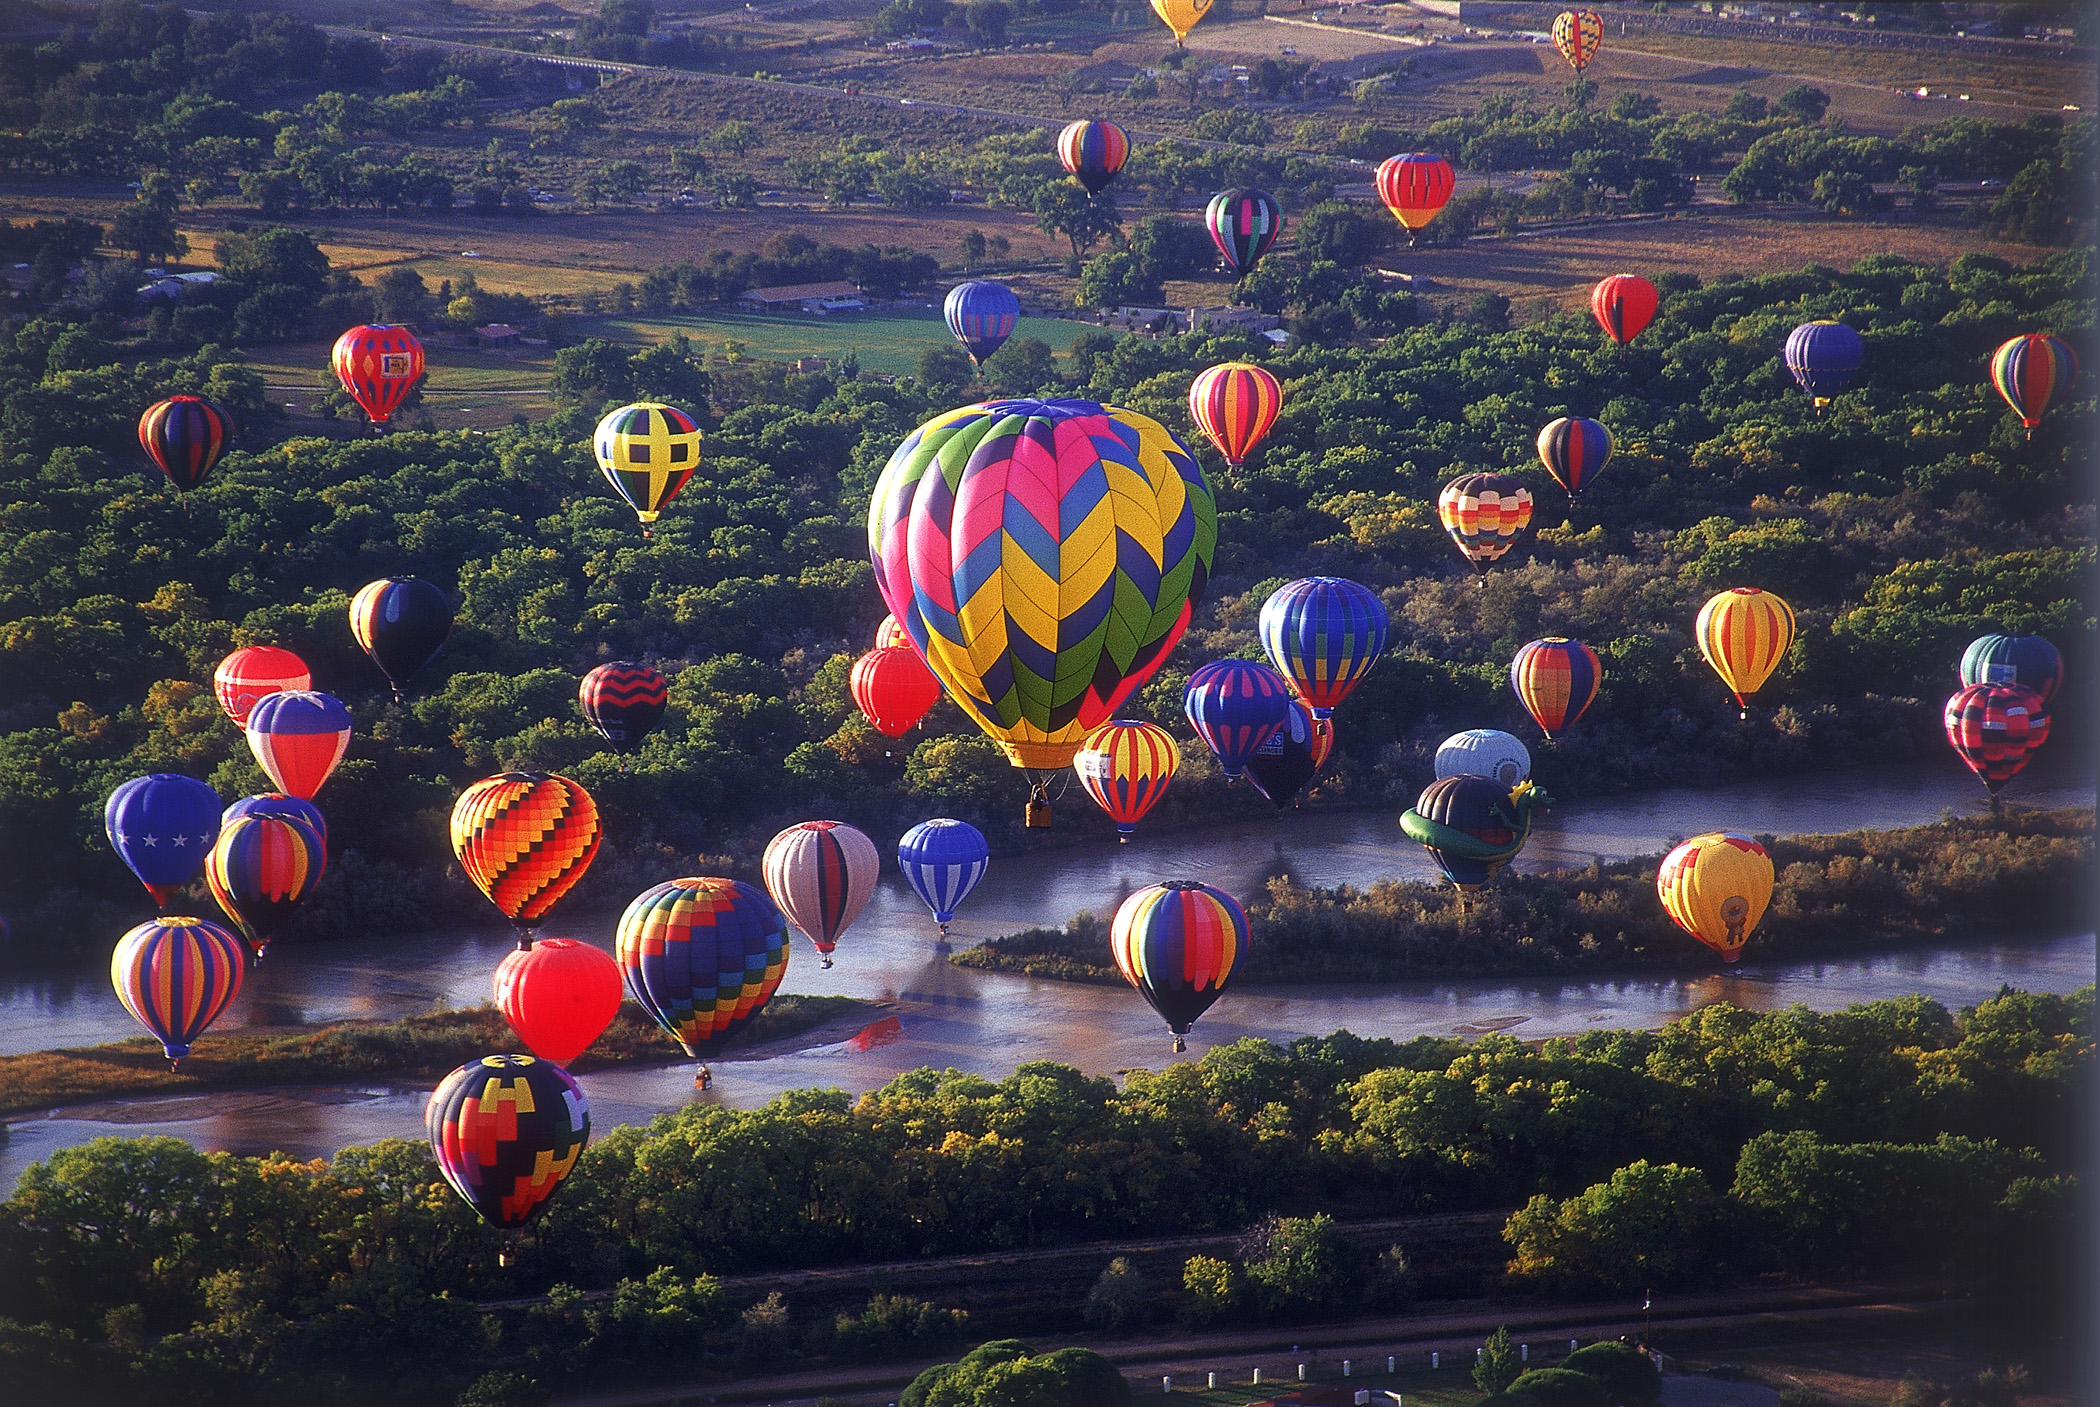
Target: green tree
{"points": [[1120, 1299], [148, 231], [1558, 1387], [1497, 1365], [1211, 1290], [1301, 1267], [1651, 1224], [987, 21], [945, 371], [1064, 208], [1628, 1376], [594, 373]]}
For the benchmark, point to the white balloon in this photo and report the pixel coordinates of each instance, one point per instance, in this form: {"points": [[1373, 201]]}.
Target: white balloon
{"points": [[1484, 752]]}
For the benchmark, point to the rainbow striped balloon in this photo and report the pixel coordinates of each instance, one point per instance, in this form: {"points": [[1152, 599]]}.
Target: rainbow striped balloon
{"points": [[1555, 679], [702, 956], [1744, 633], [1125, 766], [1323, 633], [1243, 224], [1574, 451], [2032, 371], [1177, 943], [175, 976], [262, 870], [1234, 405], [1093, 152], [185, 436], [1483, 513], [822, 874]]}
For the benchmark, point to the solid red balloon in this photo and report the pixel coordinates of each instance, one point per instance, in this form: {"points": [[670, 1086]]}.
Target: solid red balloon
{"points": [[894, 688], [247, 675], [1623, 304], [559, 995]]}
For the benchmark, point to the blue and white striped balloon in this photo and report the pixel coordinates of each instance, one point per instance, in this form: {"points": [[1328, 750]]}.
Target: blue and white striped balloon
{"points": [[943, 860]]}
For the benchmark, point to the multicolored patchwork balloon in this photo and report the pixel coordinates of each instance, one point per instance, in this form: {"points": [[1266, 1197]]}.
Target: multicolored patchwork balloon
{"points": [[162, 827], [1744, 633], [1415, 187], [981, 315], [2030, 371], [1577, 33], [262, 869], [298, 736], [1555, 679], [186, 436], [1823, 356], [1323, 634], [648, 452], [525, 838], [1574, 450], [1624, 305], [1995, 729], [1472, 826], [175, 976], [1234, 405], [1177, 943], [1093, 152], [942, 861], [378, 366], [1125, 766], [2026, 660], [1044, 556], [505, 1130], [1243, 224], [253, 671], [400, 621], [703, 956], [822, 874], [1715, 887], [624, 702], [559, 995], [1484, 513], [1235, 706]]}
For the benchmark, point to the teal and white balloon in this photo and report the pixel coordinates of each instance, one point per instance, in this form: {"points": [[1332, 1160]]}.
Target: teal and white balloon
{"points": [[1484, 752]]}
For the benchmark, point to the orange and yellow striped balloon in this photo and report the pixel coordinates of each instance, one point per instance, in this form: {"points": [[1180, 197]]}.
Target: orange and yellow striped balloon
{"points": [[1234, 405], [1744, 633], [1125, 765], [525, 838]]}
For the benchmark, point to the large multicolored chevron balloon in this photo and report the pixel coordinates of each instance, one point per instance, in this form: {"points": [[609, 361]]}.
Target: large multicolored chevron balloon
{"points": [[703, 956], [525, 838], [175, 975], [1044, 556], [505, 1130]]}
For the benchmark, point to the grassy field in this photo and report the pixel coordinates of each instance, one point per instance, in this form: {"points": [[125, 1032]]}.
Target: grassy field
{"points": [[889, 342]]}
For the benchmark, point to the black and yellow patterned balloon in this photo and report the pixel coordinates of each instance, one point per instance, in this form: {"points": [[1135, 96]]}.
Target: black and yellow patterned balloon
{"points": [[648, 453], [506, 1129]]}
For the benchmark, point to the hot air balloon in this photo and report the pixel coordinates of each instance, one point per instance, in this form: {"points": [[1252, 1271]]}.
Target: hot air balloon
{"points": [[1484, 752], [889, 635], [400, 622], [1823, 357], [559, 995], [253, 671], [505, 1130], [1125, 766], [1323, 634], [1234, 405], [624, 702], [2026, 660], [1235, 706], [2028, 371], [261, 870], [648, 452], [981, 315], [525, 838], [175, 976], [185, 436], [1577, 33], [1286, 762], [1574, 450], [702, 956], [1624, 305], [1744, 633], [894, 689], [298, 736], [378, 367], [1181, 16], [1093, 152], [1415, 187], [822, 874], [1243, 224], [162, 826], [1177, 943], [942, 861], [1045, 557], [1484, 513], [276, 803], [1555, 679], [1472, 826], [1716, 887], [1995, 728]]}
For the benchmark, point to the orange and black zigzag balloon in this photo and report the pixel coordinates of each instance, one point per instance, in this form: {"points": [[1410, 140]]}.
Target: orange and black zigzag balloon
{"points": [[525, 838]]}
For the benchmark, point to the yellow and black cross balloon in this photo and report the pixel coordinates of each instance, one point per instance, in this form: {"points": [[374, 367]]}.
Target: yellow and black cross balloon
{"points": [[648, 453]]}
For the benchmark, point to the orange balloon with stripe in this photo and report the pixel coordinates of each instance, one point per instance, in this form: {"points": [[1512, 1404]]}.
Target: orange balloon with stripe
{"points": [[1744, 633], [1555, 679], [1415, 187], [1234, 405], [525, 838], [1126, 766]]}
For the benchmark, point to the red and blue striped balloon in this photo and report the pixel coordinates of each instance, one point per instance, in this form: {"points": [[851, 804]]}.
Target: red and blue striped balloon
{"points": [[1323, 633], [1177, 943], [981, 315], [297, 736], [175, 976], [1235, 706], [261, 871], [1093, 152], [1555, 679], [185, 436], [2030, 372], [276, 803], [1574, 450]]}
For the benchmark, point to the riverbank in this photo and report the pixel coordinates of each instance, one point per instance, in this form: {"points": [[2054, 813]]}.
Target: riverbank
{"points": [[414, 1049], [1834, 895]]}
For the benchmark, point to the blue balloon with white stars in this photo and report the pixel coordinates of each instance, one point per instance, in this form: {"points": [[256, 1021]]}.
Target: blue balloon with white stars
{"points": [[163, 826]]}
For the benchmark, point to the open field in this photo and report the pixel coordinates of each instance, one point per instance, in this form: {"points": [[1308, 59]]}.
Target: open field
{"points": [[890, 342]]}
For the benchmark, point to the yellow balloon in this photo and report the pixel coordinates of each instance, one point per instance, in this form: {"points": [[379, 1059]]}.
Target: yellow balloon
{"points": [[1181, 16], [1744, 633], [1716, 887]]}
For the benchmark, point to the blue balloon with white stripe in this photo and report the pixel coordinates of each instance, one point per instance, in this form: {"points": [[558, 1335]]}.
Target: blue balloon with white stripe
{"points": [[942, 860]]}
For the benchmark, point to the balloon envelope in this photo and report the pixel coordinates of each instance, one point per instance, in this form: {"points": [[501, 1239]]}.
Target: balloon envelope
{"points": [[298, 736], [276, 803], [822, 874], [1283, 764], [702, 956], [1234, 405], [1177, 943], [1823, 356], [186, 436], [1484, 513], [162, 827], [1415, 187], [1574, 450], [624, 702], [648, 452], [1243, 224], [2026, 660], [1577, 33], [559, 995], [2032, 371], [1995, 729], [894, 689], [175, 976], [261, 870], [378, 366], [1323, 634], [506, 1130], [1181, 16], [249, 673], [1093, 152], [1125, 767], [942, 861], [1472, 826], [1555, 679], [1484, 752], [400, 622], [525, 838], [1744, 633], [1715, 887], [981, 315], [1624, 305], [1235, 706]]}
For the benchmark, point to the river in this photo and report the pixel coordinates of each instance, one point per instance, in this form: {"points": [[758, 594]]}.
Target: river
{"points": [[988, 1023]]}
